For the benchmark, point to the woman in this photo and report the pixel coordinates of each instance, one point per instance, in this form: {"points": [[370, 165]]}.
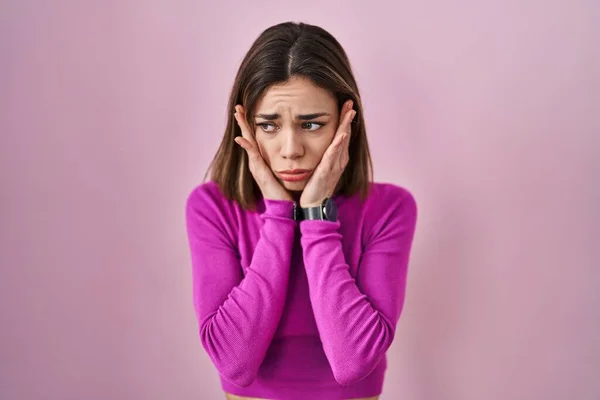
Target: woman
{"points": [[299, 261]]}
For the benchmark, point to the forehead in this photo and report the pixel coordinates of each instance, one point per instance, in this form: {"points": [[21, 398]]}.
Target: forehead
{"points": [[297, 93]]}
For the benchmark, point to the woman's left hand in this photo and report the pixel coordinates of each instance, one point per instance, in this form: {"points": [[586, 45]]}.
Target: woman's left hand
{"points": [[324, 179]]}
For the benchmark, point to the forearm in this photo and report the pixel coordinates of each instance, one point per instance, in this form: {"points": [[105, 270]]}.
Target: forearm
{"points": [[238, 315], [354, 334]]}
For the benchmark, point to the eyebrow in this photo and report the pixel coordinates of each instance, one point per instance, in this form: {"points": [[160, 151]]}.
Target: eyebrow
{"points": [[302, 117]]}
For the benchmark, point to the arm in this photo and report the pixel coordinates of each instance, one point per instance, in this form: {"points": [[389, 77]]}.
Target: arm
{"points": [[238, 315], [357, 318]]}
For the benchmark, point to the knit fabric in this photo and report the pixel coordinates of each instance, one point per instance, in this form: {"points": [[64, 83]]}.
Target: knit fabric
{"points": [[300, 310]]}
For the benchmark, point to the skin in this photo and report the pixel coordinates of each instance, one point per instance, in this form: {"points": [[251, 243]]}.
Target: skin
{"points": [[296, 126]]}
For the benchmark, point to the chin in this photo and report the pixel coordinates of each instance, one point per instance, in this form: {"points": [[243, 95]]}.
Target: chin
{"points": [[293, 186]]}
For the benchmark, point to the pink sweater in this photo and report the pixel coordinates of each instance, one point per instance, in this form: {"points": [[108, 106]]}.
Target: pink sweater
{"points": [[300, 310]]}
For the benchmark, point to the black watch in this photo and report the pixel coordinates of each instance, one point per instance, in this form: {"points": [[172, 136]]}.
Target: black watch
{"points": [[327, 211]]}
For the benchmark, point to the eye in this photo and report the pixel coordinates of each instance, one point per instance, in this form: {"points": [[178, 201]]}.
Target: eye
{"points": [[267, 127], [312, 126]]}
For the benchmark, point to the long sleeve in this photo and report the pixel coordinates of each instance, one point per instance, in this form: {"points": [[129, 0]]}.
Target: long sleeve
{"points": [[357, 318], [238, 315]]}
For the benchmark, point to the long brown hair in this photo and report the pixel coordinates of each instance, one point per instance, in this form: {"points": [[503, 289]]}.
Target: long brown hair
{"points": [[283, 51]]}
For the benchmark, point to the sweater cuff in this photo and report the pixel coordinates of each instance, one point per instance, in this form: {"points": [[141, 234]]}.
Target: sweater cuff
{"points": [[319, 227], [279, 208]]}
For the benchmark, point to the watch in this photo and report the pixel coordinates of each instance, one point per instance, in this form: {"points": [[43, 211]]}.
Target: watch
{"points": [[327, 211]]}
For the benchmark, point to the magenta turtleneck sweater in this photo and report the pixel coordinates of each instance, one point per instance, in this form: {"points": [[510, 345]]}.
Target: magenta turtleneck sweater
{"points": [[300, 310]]}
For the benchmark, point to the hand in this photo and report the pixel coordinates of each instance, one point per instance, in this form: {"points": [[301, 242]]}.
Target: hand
{"points": [[324, 179], [269, 186]]}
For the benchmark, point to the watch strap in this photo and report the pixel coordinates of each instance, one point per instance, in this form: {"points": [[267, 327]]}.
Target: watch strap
{"points": [[311, 213], [297, 212], [319, 212]]}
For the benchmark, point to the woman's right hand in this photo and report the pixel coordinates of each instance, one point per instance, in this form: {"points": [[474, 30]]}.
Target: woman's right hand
{"points": [[268, 184]]}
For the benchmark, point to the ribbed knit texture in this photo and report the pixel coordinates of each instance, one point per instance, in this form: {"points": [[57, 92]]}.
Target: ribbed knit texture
{"points": [[300, 310]]}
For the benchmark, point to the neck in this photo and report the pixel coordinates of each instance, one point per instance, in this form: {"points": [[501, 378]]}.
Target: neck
{"points": [[295, 195]]}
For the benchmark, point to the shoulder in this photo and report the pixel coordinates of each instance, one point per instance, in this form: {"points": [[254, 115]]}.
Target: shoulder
{"points": [[210, 217], [206, 205], [387, 208], [384, 196], [206, 195]]}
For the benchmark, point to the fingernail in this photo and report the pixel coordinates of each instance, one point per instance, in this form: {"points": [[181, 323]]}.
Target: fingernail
{"points": [[353, 115]]}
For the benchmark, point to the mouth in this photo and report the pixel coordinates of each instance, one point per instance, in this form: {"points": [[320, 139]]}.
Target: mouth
{"points": [[294, 175]]}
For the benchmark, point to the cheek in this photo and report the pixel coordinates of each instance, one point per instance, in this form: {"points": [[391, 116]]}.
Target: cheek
{"points": [[318, 149], [319, 144], [265, 149]]}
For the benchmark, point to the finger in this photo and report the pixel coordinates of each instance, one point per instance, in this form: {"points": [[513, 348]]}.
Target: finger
{"points": [[334, 151], [335, 148], [349, 128], [254, 156], [246, 145], [344, 131], [348, 120], [341, 139], [348, 105], [339, 142], [345, 113], [240, 117], [341, 154]]}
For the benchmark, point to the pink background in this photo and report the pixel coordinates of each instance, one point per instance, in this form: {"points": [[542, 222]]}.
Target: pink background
{"points": [[489, 111]]}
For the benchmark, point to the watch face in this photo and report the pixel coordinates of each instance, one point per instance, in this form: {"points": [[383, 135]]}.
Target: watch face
{"points": [[330, 210]]}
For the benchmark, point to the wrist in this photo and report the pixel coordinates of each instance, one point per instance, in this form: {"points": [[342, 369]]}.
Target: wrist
{"points": [[278, 196], [279, 208], [312, 202], [326, 210], [309, 205]]}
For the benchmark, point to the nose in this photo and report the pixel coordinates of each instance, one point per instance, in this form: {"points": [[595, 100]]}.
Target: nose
{"points": [[291, 146]]}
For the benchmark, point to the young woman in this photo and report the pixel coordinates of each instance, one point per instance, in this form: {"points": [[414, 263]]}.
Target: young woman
{"points": [[299, 260]]}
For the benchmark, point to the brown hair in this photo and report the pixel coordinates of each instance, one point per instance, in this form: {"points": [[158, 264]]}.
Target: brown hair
{"points": [[283, 51]]}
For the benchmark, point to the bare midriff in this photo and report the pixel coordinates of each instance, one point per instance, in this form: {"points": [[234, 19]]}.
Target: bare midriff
{"points": [[234, 397]]}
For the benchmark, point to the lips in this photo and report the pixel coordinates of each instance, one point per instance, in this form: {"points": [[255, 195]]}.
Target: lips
{"points": [[294, 175], [293, 171]]}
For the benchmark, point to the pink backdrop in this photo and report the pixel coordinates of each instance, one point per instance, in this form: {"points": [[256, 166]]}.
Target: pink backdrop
{"points": [[489, 111]]}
